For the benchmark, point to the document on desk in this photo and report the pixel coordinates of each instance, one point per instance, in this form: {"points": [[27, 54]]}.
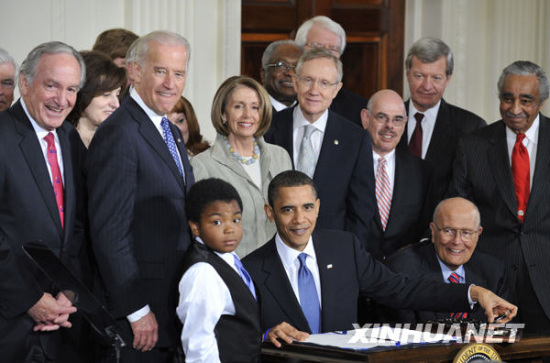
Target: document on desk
{"points": [[383, 336]]}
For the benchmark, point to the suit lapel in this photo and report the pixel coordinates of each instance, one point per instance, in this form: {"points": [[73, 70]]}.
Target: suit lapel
{"points": [[276, 282], [187, 169], [330, 150], [397, 195], [152, 136], [500, 166], [441, 134], [542, 167], [328, 276]]}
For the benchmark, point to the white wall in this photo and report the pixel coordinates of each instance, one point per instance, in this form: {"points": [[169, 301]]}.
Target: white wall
{"points": [[485, 36], [213, 28]]}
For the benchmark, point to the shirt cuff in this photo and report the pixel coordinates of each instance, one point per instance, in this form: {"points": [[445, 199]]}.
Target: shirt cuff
{"points": [[136, 315], [472, 302]]}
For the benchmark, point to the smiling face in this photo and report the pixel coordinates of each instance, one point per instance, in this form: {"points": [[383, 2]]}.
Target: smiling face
{"points": [[427, 82], [520, 102], [161, 80], [220, 226], [52, 94], [242, 112], [295, 211], [457, 214], [313, 100], [278, 80], [319, 36], [101, 107], [387, 107], [7, 85]]}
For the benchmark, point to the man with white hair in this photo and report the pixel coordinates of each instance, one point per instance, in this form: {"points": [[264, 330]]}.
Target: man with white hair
{"points": [[8, 78]]}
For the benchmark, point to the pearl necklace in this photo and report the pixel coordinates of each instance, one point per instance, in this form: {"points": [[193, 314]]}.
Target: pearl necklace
{"points": [[254, 157]]}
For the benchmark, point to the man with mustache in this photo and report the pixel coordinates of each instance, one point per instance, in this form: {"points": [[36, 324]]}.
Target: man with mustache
{"points": [[278, 66], [435, 126], [504, 169], [401, 178]]}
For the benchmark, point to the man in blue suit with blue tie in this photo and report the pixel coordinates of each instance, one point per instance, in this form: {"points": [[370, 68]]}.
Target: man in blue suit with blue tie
{"points": [[138, 176]]}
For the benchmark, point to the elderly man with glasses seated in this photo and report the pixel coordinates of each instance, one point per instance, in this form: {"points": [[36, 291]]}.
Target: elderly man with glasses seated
{"points": [[8, 78], [451, 257]]}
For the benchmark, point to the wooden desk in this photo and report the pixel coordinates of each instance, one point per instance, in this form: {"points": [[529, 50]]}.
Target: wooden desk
{"points": [[526, 350]]}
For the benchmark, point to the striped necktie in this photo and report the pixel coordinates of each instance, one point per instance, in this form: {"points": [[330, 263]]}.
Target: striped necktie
{"points": [[454, 278], [383, 192]]}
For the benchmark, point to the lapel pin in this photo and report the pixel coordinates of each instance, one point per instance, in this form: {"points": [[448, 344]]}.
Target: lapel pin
{"points": [[179, 140], [329, 266], [336, 142]]}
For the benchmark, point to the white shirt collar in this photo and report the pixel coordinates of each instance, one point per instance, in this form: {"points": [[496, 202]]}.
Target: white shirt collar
{"points": [[227, 257], [279, 105], [39, 130], [289, 255], [300, 120]]}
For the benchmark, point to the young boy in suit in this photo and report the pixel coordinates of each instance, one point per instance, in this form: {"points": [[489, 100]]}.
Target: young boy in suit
{"points": [[217, 303]]}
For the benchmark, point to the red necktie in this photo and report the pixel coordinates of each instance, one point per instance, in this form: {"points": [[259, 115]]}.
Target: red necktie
{"points": [[454, 278], [521, 174], [56, 175], [415, 144]]}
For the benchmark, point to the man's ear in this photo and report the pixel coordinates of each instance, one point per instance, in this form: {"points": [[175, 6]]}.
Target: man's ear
{"points": [[269, 212], [433, 228], [365, 118], [194, 228]]}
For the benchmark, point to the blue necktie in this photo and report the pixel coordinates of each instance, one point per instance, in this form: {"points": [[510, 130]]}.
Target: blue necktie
{"points": [[169, 139], [245, 276], [308, 296]]}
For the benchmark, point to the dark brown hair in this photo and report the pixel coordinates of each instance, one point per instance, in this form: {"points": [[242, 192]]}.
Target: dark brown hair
{"points": [[114, 42], [102, 75], [195, 144]]}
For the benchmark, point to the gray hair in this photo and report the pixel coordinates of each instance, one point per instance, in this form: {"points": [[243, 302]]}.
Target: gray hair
{"points": [[137, 53], [429, 50], [5, 57], [526, 68], [324, 22], [29, 67], [316, 53], [268, 52]]}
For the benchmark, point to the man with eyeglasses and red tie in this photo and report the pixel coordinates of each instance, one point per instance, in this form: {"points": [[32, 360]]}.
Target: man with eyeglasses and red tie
{"points": [[330, 149], [278, 66], [451, 257]]}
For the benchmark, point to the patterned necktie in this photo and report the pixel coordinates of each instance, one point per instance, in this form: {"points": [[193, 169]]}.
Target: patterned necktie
{"points": [[415, 144], [245, 276], [383, 192], [521, 174], [309, 300], [454, 278], [306, 158], [56, 176], [169, 140]]}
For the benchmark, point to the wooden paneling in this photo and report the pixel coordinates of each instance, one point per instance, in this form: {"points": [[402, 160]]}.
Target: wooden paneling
{"points": [[373, 58]]}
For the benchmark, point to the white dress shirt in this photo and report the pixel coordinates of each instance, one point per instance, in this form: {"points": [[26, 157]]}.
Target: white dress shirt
{"points": [[279, 106], [291, 264], [41, 134], [203, 299], [298, 126], [428, 125], [530, 143]]}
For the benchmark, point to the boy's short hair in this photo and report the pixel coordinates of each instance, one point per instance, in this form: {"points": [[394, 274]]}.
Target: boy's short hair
{"points": [[207, 191]]}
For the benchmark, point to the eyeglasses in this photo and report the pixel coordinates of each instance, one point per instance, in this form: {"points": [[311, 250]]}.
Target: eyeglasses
{"points": [[308, 82], [281, 66], [466, 235], [382, 118], [7, 83], [333, 49]]}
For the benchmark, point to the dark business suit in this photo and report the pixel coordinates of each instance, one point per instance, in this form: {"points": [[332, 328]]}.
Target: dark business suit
{"points": [[421, 260], [482, 173], [346, 271], [451, 124], [408, 219], [29, 213], [343, 176], [137, 220], [349, 105]]}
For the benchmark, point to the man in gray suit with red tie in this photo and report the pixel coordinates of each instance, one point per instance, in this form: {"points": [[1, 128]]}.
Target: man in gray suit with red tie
{"points": [[138, 176], [504, 169]]}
